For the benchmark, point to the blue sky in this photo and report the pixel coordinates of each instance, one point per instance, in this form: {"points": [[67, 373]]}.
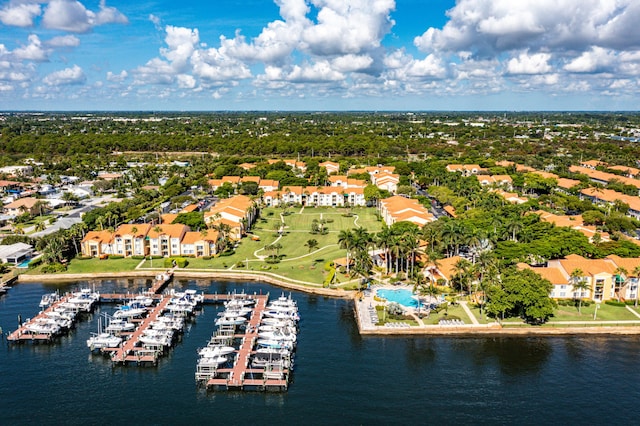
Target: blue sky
{"points": [[319, 55]]}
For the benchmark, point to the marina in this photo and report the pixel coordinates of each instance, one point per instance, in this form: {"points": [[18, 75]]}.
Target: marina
{"points": [[251, 349]]}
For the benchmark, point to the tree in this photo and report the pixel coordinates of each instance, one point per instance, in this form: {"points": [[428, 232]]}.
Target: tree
{"points": [[580, 285], [346, 240], [311, 244], [528, 292], [620, 277], [636, 272]]}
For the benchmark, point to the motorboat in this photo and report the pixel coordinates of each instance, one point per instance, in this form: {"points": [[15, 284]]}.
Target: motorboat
{"points": [[119, 325], [239, 303], [48, 300], [103, 340], [275, 344], [278, 322], [175, 323], [282, 301], [282, 315], [282, 327], [130, 310], [43, 327], [236, 312], [277, 335], [63, 321], [214, 361], [213, 351], [143, 300], [231, 321], [84, 299], [155, 339]]}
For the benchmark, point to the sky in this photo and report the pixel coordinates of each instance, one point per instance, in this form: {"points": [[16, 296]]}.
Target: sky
{"points": [[319, 55]]}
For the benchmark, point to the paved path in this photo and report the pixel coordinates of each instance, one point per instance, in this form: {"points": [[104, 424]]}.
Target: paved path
{"points": [[630, 309], [472, 317]]}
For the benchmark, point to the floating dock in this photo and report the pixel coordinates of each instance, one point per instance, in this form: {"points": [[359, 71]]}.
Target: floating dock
{"points": [[23, 334], [131, 351]]}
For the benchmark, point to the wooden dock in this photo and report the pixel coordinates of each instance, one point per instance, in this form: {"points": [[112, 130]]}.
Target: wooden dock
{"points": [[241, 376], [23, 333], [161, 281], [131, 351]]}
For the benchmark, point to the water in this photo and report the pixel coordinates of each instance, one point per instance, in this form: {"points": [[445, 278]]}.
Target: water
{"points": [[398, 295], [340, 377]]}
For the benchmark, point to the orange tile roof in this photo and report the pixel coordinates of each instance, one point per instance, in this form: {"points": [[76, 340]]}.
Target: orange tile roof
{"points": [[554, 275], [628, 263], [588, 266], [141, 229], [193, 237], [168, 218], [190, 208], [173, 231], [98, 236]]}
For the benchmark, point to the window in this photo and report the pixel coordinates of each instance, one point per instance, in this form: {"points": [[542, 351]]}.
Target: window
{"points": [[563, 294]]}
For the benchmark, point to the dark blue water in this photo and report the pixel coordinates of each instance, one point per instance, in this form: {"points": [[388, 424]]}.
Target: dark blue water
{"points": [[340, 377]]}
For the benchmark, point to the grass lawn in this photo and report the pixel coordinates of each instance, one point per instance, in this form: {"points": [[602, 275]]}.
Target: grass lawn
{"points": [[87, 266], [451, 312], [605, 313]]}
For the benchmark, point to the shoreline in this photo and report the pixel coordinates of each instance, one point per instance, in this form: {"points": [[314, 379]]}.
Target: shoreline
{"points": [[485, 330]]}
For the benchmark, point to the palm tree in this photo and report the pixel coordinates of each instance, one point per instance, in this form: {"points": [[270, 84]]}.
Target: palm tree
{"points": [[514, 227], [311, 244], [346, 239], [636, 272], [620, 277], [384, 239], [463, 269], [579, 284]]}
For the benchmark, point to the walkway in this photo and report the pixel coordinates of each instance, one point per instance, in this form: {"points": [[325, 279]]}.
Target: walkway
{"points": [[630, 309], [472, 317]]}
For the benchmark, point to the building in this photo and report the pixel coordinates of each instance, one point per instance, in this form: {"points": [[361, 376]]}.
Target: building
{"points": [[165, 240], [15, 253], [33, 206], [130, 240], [330, 167], [200, 244], [398, 209], [386, 181], [238, 213], [465, 169], [97, 244]]}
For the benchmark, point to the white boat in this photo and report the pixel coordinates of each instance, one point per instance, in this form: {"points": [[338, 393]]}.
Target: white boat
{"points": [[63, 321], [283, 301], [143, 300], [84, 299], [155, 340], [278, 322], [131, 310], [237, 312], [239, 303], [103, 340], [119, 325], [282, 315], [48, 300], [213, 351], [274, 344], [212, 361], [277, 335], [175, 323], [231, 321], [43, 327]]}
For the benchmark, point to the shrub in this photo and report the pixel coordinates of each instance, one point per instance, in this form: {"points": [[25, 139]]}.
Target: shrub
{"points": [[206, 257], [52, 268], [228, 252], [116, 256], [35, 262], [614, 303], [138, 257]]}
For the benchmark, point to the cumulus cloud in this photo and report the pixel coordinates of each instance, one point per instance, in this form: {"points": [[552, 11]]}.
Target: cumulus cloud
{"points": [[595, 60], [118, 78], [33, 51], [525, 63], [19, 14], [67, 76], [489, 26], [73, 16], [63, 41]]}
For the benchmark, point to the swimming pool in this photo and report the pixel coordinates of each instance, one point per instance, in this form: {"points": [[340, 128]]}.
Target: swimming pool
{"points": [[400, 295], [23, 264]]}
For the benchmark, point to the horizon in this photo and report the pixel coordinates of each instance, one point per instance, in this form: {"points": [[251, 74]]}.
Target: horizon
{"points": [[320, 55]]}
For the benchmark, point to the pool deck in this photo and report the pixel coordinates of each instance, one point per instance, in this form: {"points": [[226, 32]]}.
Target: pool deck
{"points": [[366, 315]]}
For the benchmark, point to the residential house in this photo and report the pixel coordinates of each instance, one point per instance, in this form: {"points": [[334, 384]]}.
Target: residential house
{"points": [[465, 169], [504, 181], [386, 181], [330, 167], [30, 205]]}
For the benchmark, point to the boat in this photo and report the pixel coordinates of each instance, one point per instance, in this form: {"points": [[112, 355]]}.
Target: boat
{"points": [[282, 315], [277, 335], [278, 322], [84, 299], [212, 361], [130, 310], [48, 300], [119, 325], [231, 321], [103, 341], [212, 351], [39, 326], [236, 312], [274, 344]]}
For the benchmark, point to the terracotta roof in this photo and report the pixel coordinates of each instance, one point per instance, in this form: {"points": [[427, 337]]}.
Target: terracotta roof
{"points": [[628, 263], [190, 208], [168, 218], [101, 237], [173, 231], [193, 237], [127, 229], [554, 275], [27, 203]]}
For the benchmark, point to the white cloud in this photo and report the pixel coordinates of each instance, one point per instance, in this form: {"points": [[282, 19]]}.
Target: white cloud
{"points": [[64, 41], [32, 52], [122, 76], [538, 63], [19, 14], [181, 44], [351, 63], [73, 16], [186, 81], [488, 26], [595, 60], [73, 75]]}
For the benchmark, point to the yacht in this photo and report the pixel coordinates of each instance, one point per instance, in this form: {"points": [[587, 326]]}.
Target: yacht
{"points": [[286, 315], [231, 321], [130, 310], [277, 335], [48, 300], [213, 351], [119, 325], [103, 341], [84, 299]]}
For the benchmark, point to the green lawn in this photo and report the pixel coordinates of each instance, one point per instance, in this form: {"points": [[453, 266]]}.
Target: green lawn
{"points": [[451, 312], [297, 262], [605, 313], [87, 266]]}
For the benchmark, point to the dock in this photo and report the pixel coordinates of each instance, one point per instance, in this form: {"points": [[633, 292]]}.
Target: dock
{"points": [[23, 333], [161, 282], [242, 376], [131, 351]]}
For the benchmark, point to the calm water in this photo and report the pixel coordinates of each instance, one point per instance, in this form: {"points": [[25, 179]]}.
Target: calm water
{"points": [[340, 377]]}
